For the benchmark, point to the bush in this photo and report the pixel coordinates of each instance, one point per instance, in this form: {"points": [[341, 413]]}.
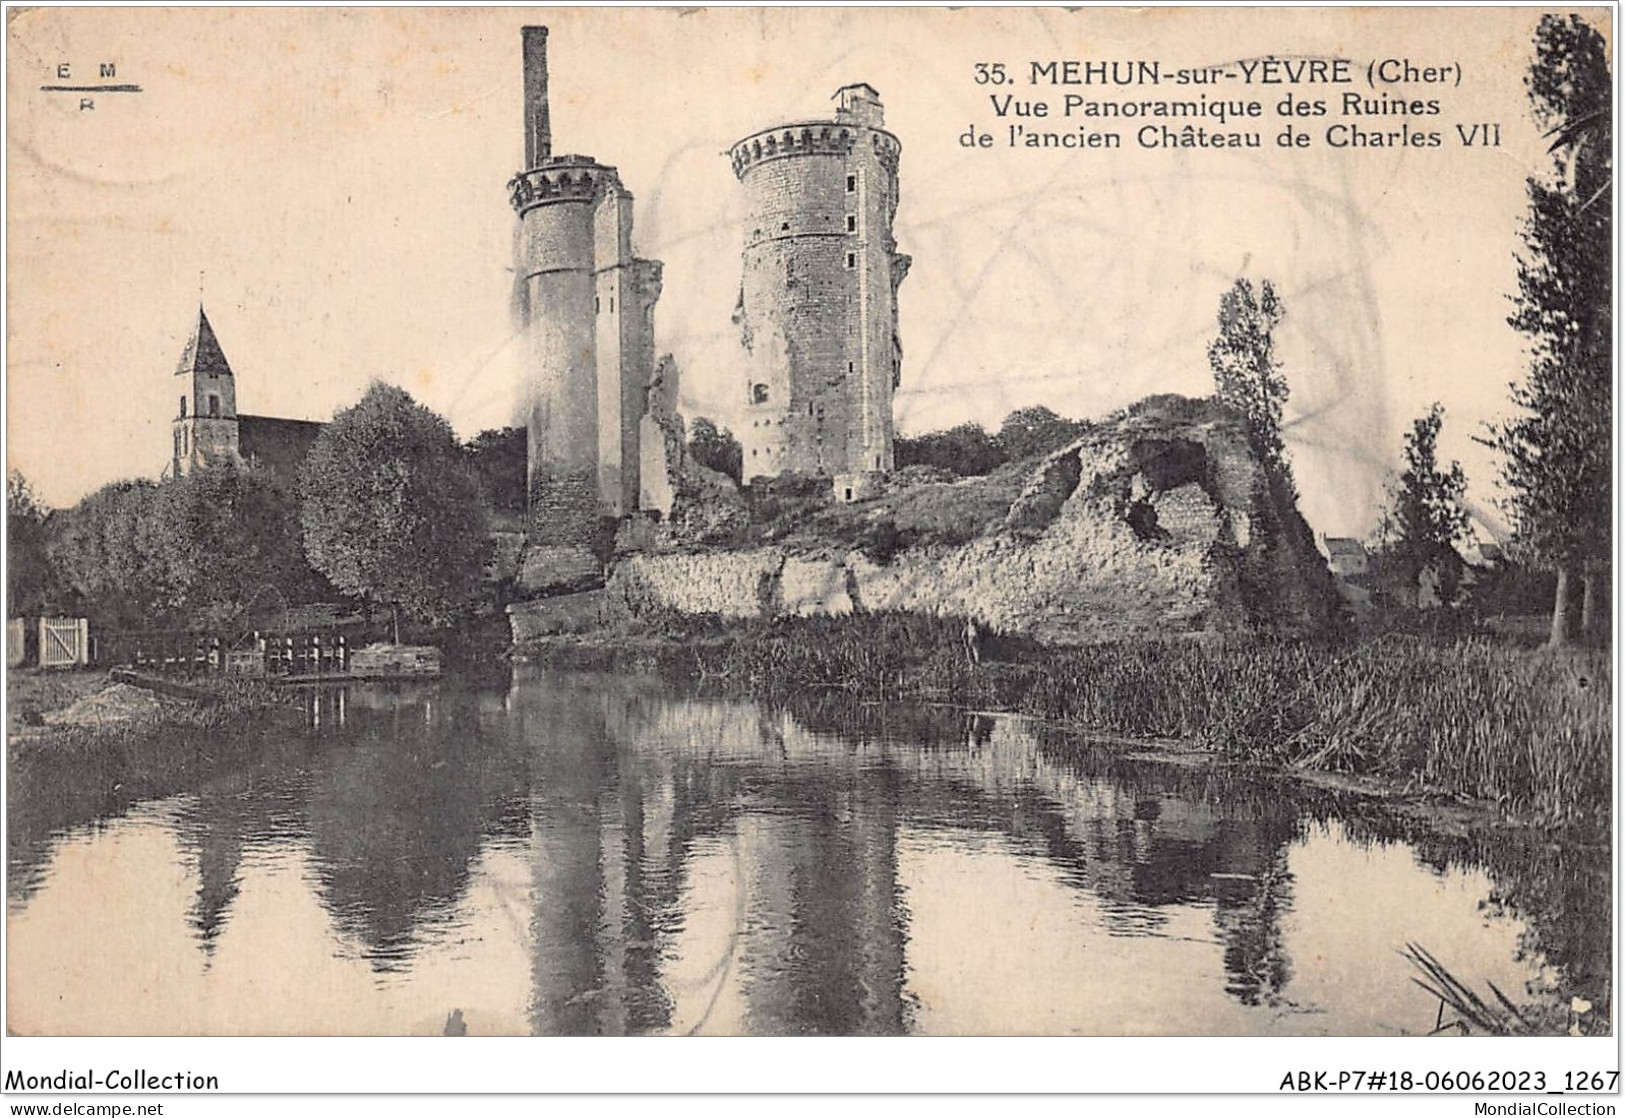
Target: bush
{"points": [[965, 451], [715, 448]]}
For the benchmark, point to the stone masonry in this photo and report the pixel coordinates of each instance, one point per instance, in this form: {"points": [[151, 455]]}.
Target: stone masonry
{"points": [[818, 298], [584, 303]]}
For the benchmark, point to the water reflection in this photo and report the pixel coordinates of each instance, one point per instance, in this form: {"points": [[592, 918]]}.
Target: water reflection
{"points": [[397, 817], [596, 854]]}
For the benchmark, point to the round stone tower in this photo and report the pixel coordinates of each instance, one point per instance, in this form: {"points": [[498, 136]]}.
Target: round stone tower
{"points": [[554, 291], [818, 301], [585, 306]]}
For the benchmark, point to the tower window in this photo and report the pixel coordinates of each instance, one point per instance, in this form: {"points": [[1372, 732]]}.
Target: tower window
{"points": [[851, 260], [851, 184], [758, 393], [612, 304], [214, 406], [851, 223], [784, 227], [849, 367], [597, 305], [183, 407]]}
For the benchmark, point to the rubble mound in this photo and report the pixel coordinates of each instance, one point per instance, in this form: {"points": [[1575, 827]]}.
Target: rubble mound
{"points": [[1157, 521]]}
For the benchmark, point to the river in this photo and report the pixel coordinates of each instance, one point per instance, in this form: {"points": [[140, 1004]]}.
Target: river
{"points": [[575, 853]]}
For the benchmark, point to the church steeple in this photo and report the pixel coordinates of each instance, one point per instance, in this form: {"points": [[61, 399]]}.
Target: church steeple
{"points": [[206, 426], [203, 353]]}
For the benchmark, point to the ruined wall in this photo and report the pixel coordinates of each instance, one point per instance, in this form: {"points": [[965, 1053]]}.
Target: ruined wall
{"points": [[626, 290], [732, 584], [1145, 527], [661, 446]]}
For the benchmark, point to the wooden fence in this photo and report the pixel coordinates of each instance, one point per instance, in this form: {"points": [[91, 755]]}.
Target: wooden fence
{"points": [[257, 654]]}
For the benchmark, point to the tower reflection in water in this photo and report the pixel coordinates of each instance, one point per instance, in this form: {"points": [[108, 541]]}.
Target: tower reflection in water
{"points": [[586, 853], [805, 925]]}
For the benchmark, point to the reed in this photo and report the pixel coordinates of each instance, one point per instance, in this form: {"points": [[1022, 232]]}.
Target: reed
{"points": [[1471, 717]]}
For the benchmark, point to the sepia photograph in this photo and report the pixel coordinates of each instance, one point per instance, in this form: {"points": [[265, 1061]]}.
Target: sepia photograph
{"points": [[990, 522]]}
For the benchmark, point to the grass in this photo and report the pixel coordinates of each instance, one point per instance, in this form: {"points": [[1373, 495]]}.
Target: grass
{"points": [[1473, 1013], [226, 703], [1469, 717], [944, 512], [1497, 1015], [32, 693]]}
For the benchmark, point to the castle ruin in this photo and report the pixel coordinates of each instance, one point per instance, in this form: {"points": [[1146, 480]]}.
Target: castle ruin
{"points": [[584, 304], [817, 313], [818, 300]]}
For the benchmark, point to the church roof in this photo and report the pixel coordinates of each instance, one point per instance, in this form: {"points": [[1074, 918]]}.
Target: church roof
{"points": [[203, 353], [279, 445]]}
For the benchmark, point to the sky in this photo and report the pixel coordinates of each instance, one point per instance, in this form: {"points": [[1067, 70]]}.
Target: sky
{"points": [[331, 184]]}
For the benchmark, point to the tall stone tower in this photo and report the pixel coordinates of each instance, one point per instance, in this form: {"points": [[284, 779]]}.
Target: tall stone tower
{"points": [[818, 302], [585, 306], [205, 428]]}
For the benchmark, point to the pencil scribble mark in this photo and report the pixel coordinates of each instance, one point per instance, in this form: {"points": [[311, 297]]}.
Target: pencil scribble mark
{"points": [[120, 88]]}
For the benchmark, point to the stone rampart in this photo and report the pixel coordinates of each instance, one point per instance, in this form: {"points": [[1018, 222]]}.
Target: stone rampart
{"points": [[1151, 528]]}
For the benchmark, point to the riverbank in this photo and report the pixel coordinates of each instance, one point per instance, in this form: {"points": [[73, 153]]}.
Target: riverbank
{"points": [[1475, 718], [90, 712]]}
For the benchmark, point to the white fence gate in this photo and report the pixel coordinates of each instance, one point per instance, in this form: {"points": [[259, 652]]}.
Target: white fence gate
{"points": [[63, 641]]}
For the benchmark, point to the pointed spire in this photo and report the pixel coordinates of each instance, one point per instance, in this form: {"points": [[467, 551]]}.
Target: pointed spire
{"points": [[203, 353]]}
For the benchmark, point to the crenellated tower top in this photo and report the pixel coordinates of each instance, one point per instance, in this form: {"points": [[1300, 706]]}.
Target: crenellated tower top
{"points": [[859, 118], [549, 178], [816, 137], [563, 178]]}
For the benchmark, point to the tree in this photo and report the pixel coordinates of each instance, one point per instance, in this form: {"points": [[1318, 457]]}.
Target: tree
{"points": [[1424, 519], [1557, 450], [201, 547], [390, 510], [1028, 432], [1247, 373], [499, 457], [114, 556], [966, 450], [30, 580], [231, 536], [716, 448]]}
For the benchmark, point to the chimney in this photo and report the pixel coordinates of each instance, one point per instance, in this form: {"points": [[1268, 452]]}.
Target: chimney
{"points": [[538, 130]]}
